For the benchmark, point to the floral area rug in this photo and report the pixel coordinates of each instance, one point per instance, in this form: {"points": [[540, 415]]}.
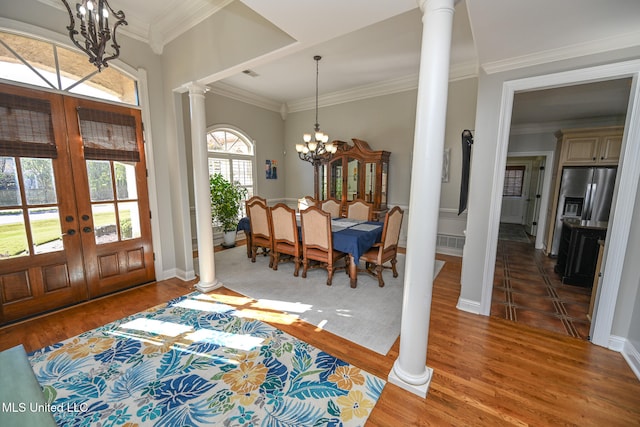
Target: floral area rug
{"points": [[196, 361]]}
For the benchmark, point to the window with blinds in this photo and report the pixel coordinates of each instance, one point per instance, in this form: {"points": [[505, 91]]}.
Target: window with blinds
{"points": [[231, 154], [26, 129], [108, 136], [513, 181]]}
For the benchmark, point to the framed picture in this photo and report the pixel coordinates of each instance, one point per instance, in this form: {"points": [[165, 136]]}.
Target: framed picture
{"points": [[271, 169]]}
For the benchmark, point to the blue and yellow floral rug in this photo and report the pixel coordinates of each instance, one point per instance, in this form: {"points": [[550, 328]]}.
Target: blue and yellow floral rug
{"points": [[196, 361]]}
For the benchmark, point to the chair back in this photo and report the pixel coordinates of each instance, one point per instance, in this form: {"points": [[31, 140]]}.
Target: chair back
{"points": [[316, 229], [258, 198], [306, 202], [332, 206], [259, 218], [391, 230], [359, 209], [285, 228]]}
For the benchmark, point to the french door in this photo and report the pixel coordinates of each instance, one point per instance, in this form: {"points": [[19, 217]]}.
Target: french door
{"points": [[74, 211]]}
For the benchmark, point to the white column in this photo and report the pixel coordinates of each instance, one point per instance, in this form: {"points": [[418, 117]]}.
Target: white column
{"points": [[409, 370], [201, 191]]}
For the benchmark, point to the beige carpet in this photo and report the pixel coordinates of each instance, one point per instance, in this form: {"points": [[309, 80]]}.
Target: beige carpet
{"points": [[368, 315]]}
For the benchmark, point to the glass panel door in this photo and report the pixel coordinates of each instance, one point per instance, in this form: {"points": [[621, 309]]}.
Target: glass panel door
{"points": [[353, 187]]}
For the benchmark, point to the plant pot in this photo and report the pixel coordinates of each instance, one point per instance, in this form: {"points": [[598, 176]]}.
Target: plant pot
{"points": [[229, 239]]}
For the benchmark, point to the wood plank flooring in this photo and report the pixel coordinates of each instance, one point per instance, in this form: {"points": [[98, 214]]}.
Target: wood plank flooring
{"points": [[527, 290], [487, 371]]}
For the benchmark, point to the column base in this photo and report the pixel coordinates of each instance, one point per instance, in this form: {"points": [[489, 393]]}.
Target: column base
{"points": [[208, 287], [418, 389]]}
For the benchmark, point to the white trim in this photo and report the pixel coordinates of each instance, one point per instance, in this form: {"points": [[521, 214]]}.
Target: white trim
{"points": [[563, 53], [181, 274], [616, 343], [143, 96], [629, 174], [389, 87], [232, 92], [468, 305], [632, 356]]}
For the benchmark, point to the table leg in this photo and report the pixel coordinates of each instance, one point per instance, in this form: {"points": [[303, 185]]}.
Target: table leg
{"points": [[353, 272]]}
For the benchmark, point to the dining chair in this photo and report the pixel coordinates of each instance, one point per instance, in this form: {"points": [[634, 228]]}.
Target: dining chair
{"points": [[332, 206], [359, 209], [317, 242], [285, 236], [261, 229], [387, 249], [306, 202]]}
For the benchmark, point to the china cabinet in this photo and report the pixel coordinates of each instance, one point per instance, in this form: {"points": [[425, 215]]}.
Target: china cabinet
{"points": [[355, 172]]}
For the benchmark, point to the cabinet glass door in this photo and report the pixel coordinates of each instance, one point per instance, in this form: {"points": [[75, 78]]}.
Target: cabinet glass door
{"points": [[383, 193], [336, 179], [353, 167], [370, 182]]}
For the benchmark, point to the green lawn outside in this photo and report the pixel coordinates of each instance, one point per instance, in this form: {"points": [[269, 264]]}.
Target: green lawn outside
{"points": [[13, 238]]}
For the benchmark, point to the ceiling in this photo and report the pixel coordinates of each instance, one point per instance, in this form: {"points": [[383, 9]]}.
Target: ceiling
{"points": [[373, 46]]}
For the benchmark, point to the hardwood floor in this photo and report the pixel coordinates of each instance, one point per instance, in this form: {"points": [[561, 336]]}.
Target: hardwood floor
{"points": [[487, 371], [527, 290]]}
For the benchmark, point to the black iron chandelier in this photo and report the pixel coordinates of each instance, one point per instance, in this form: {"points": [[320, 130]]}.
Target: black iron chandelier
{"points": [[316, 147], [95, 34]]}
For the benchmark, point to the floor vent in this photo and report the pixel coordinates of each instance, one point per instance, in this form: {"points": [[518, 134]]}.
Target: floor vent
{"points": [[450, 244]]}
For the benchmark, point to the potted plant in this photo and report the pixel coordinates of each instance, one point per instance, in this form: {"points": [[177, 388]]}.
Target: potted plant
{"points": [[226, 199]]}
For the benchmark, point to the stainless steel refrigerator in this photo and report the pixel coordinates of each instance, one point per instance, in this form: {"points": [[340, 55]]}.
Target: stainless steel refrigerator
{"points": [[585, 193]]}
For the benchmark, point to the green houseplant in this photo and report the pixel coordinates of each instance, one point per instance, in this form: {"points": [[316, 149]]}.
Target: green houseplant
{"points": [[226, 199]]}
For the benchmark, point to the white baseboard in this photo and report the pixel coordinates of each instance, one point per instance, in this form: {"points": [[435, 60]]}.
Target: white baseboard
{"points": [[632, 356], [182, 274], [468, 306], [616, 343]]}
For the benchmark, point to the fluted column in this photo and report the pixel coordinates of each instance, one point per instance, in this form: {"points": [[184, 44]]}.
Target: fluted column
{"points": [[409, 370], [202, 195]]}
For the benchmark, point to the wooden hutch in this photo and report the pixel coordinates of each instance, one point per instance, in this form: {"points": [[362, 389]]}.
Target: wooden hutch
{"points": [[355, 172]]}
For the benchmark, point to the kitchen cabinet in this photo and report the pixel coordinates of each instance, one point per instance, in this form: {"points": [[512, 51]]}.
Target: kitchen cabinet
{"points": [[599, 146], [578, 252], [355, 172], [588, 147]]}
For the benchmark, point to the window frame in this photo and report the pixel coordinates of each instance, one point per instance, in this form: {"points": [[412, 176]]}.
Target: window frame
{"points": [[506, 186], [234, 156]]}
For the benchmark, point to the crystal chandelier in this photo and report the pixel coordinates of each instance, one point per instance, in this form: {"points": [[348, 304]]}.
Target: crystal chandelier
{"points": [[95, 34], [318, 149]]}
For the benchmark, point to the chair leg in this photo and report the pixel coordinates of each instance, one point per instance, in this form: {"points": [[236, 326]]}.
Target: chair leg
{"points": [[296, 261], [254, 252], [305, 265], [330, 270], [394, 261], [271, 259], [379, 273], [275, 260]]}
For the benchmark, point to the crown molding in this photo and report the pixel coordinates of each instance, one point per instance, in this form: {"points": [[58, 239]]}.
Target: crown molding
{"points": [[567, 52], [357, 93], [245, 96], [190, 13], [403, 84]]}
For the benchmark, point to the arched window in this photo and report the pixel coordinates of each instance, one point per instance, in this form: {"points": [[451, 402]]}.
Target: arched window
{"points": [[45, 64], [232, 154]]}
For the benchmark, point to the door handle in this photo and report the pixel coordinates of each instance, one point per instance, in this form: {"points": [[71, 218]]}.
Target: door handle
{"points": [[87, 229]]}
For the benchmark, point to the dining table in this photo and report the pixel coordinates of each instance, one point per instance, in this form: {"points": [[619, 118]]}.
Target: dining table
{"points": [[355, 237], [351, 236]]}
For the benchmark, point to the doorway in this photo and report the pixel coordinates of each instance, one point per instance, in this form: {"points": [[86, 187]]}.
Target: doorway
{"points": [[619, 228], [73, 201]]}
